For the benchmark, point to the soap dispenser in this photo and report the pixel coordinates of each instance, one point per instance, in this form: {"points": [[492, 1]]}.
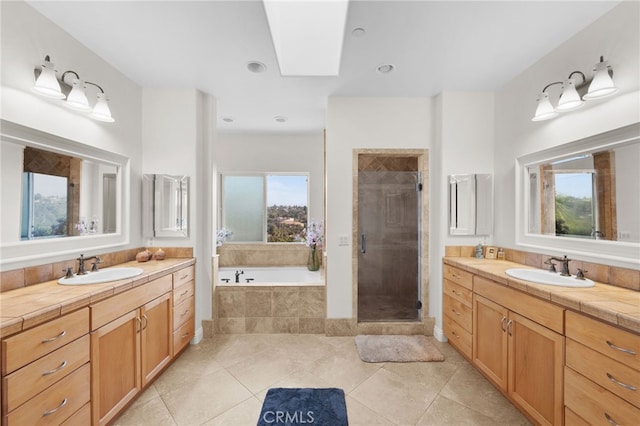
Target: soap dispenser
{"points": [[479, 251]]}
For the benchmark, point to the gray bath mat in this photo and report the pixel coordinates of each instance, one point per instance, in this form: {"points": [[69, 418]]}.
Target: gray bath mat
{"points": [[374, 348]]}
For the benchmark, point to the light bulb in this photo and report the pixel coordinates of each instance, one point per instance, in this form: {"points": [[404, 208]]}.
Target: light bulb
{"points": [[545, 110]]}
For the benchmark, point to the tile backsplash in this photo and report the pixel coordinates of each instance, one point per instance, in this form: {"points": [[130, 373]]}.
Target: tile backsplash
{"points": [[23, 277], [620, 277]]}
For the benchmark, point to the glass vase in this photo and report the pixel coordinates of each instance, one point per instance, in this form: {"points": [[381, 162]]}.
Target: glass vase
{"points": [[314, 259]]}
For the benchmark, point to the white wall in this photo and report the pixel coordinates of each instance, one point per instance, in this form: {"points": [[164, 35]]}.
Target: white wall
{"points": [[26, 38], [616, 36], [268, 152], [463, 144], [178, 127], [362, 123]]}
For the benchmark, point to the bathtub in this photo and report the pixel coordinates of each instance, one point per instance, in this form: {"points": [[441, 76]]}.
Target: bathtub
{"points": [[269, 276]]}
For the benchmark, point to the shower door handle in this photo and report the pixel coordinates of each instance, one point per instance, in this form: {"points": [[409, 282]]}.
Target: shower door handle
{"points": [[363, 243]]}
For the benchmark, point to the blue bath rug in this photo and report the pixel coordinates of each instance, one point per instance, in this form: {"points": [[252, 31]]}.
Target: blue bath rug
{"points": [[304, 406]]}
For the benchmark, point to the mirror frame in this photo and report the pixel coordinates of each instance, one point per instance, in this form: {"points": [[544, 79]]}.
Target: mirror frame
{"points": [[153, 201], [22, 252], [476, 199], [616, 253]]}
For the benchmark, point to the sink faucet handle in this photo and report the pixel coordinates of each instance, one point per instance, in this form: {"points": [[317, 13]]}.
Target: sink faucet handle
{"points": [[552, 266], [94, 266], [580, 274], [68, 272]]}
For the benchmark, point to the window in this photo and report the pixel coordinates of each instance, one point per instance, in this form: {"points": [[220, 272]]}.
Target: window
{"points": [[574, 204], [44, 212], [265, 207]]}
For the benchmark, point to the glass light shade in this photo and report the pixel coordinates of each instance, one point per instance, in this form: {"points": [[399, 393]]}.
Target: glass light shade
{"points": [[77, 99], [47, 84], [602, 84], [101, 111], [545, 110], [569, 99]]}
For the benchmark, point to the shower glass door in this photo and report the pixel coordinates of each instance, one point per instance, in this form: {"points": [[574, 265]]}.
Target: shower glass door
{"points": [[389, 237]]}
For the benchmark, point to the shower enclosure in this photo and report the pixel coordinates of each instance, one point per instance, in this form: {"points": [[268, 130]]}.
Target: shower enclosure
{"points": [[388, 215]]}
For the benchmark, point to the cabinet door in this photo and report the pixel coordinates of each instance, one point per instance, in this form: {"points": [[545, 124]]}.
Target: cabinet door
{"points": [[115, 366], [536, 360], [490, 340], [157, 332]]}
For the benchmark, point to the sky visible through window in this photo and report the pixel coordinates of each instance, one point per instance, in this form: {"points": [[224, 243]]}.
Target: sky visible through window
{"points": [[574, 184], [289, 190]]}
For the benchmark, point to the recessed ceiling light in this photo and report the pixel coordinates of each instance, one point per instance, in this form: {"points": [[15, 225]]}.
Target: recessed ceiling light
{"points": [[227, 119], [280, 119], [256, 67], [386, 68], [358, 32]]}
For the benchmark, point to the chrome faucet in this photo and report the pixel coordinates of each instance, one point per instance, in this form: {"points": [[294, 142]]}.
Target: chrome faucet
{"points": [[565, 265], [238, 273]]}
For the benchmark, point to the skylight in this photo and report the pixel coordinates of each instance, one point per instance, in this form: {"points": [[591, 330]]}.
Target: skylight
{"points": [[307, 35]]}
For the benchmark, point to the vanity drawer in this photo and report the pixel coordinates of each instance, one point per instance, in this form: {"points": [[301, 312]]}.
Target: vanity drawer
{"points": [[182, 336], [30, 380], [60, 401], [183, 292], [23, 348], [615, 343], [610, 374], [572, 419], [458, 311], [183, 312], [81, 417], [183, 276], [459, 293], [458, 336], [458, 276], [595, 403]]}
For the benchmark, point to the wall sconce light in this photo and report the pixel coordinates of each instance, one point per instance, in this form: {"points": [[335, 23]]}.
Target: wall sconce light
{"points": [[71, 87], [600, 86]]}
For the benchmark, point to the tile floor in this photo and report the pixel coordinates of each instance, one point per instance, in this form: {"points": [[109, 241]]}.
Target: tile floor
{"points": [[223, 381]]}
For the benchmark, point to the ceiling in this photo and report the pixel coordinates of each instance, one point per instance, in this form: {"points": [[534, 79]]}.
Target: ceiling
{"points": [[435, 46]]}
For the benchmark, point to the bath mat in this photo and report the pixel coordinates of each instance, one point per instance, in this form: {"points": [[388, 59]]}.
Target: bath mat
{"points": [[304, 406], [374, 348]]}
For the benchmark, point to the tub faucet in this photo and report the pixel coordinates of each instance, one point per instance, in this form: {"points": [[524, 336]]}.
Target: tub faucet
{"points": [[238, 273], [565, 265]]}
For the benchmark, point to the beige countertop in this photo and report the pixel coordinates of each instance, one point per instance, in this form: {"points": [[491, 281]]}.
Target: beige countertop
{"points": [[615, 305], [26, 307]]}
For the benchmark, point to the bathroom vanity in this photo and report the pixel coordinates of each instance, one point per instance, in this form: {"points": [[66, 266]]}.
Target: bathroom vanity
{"points": [[561, 355], [81, 354]]}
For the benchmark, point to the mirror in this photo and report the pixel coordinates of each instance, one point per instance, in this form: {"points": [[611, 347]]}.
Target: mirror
{"points": [[58, 195], [165, 206], [470, 204], [584, 195]]}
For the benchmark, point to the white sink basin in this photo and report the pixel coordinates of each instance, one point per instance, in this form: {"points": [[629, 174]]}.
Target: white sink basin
{"points": [[540, 276], [101, 276]]}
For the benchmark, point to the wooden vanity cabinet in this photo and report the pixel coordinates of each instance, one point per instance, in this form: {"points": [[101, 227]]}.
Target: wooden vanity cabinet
{"points": [[457, 309], [518, 345], [602, 374], [131, 343], [183, 308], [45, 371]]}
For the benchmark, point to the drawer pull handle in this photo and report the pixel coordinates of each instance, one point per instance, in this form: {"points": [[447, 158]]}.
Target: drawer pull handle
{"points": [[184, 276], [456, 293], [618, 348], [504, 329], [509, 323], [139, 321], [610, 419], [49, 372], [184, 292], [184, 335], [51, 339], [455, 312], [53, 410], [624, 385], [146, 321], [184, 313], [455, 335]]}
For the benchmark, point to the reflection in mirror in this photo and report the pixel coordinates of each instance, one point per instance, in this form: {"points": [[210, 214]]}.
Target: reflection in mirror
{"points": [[590, 195], [58, 195], [470, 204], [165, 206], [582, 198]]}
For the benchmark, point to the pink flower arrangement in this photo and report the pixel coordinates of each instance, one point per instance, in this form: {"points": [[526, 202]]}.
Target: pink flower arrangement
{"points": [[315, 234]]}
